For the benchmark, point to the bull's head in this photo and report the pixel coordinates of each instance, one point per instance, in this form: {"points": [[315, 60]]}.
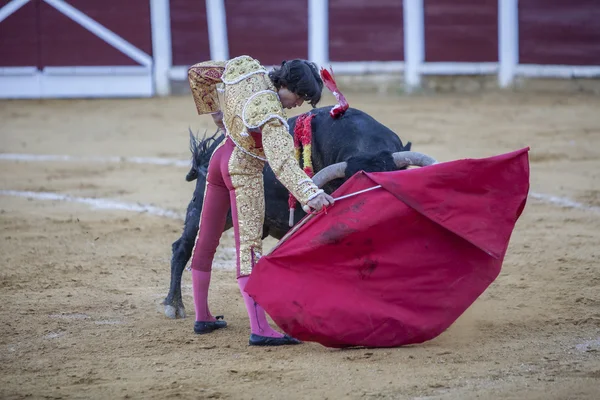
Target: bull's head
{"points": [[401, 159]]}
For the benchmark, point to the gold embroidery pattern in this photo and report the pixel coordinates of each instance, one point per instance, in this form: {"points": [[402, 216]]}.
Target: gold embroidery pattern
{"points": [[236, 97], [279, 149], [261, 108], [203, 78], [240, 66], [247, 179]]}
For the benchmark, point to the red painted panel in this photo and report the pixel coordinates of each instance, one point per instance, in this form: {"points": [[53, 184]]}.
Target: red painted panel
{"points": [[129, 19], [563, 32], [189, 32], [19, 41], [66, 43], [461, 30], [268, 30], [366, 30]]}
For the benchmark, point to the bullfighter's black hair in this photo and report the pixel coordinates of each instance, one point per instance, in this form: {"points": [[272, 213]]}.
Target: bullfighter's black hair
{"points": [[300, 77]]}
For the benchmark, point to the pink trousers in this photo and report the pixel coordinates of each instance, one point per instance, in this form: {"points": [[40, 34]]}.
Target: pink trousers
{"points": [[235, 180]]}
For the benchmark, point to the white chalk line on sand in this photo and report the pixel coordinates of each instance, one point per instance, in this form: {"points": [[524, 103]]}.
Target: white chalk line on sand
{"points": [[97, 203], [112, 204], [108, 204], [563, 202], [83, 159]]}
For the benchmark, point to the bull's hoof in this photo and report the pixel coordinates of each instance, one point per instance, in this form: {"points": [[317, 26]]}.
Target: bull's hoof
{"points": [[173, 312]]}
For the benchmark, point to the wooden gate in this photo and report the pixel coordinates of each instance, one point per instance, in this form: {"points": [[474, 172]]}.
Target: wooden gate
{"points": [[79, 48]]}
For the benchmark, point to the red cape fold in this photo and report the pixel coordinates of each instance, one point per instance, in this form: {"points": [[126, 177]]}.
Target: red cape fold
{"points": [[399, 264]]}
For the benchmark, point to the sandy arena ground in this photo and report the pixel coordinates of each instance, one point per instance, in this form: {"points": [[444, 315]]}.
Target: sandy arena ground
{"points": [[81, 287]]}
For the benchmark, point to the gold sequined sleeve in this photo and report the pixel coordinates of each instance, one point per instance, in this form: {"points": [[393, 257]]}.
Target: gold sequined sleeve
{"points": [[203, 78], [279, 150]]}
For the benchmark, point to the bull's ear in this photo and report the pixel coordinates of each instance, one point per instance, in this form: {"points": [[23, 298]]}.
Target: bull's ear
{"points": [[192, 175]]}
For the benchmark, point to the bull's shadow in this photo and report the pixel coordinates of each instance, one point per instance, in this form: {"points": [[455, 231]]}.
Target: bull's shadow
{"points": [[355, 138]]}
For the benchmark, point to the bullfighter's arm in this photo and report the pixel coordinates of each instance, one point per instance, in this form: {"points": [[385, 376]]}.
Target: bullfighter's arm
{"points": [[203, 78], [279, 150], [263, 111]]}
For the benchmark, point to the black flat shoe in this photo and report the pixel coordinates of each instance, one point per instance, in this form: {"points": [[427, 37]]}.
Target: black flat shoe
{"points": [[257, 340], [202, 327]]}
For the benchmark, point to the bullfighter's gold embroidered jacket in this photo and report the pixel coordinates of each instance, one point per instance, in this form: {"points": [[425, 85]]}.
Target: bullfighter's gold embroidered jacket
{"points": [[253, 116]]}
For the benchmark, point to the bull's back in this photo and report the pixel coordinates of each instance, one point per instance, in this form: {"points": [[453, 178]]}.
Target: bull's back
{"points": [[355, 132]]}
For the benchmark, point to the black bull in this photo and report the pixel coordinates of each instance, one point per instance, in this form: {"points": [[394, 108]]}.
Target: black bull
{"points": [[355, 138]]}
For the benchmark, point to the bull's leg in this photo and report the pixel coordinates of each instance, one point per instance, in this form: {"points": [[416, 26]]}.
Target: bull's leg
{"points": [[182, 251]]}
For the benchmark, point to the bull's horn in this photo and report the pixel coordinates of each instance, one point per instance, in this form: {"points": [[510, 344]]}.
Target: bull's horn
{"points": [[406, 158], [334, 171], [401, 159]]}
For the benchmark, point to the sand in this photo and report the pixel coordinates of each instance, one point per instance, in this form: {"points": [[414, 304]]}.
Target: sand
{"points": [[81, 287]]}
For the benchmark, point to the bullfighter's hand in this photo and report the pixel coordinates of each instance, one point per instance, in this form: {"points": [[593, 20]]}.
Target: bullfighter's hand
{"points": [[218, 119], [320, 201]]}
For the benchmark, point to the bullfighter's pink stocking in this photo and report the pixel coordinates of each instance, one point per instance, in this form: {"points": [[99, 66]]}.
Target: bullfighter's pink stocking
{"points": [[212, 221], [258, 318], [200, 283]]}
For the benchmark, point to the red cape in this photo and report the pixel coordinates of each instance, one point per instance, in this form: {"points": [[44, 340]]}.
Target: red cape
{"points": [[399, 264]]}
